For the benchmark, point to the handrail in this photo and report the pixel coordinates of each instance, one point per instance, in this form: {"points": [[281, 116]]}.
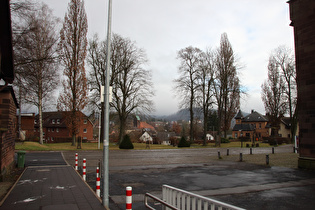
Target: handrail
{"points": [[158, 200], [181, 195]]}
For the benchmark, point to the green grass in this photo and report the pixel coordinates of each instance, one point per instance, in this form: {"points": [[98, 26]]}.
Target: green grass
{"points": [[35, 146]]}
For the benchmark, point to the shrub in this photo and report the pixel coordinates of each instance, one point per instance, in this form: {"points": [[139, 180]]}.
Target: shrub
{"points": [[126, 143], [224, 140], [183, 142]]}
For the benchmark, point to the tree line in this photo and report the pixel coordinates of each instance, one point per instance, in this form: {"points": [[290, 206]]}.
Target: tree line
{"points": [[209, 80]]}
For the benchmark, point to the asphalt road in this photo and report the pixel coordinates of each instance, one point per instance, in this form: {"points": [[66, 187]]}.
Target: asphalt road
{"points": [[197, 170]]}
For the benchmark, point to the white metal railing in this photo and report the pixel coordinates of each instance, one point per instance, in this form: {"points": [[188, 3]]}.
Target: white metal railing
{"points": [[156, 199], [185, 200]]}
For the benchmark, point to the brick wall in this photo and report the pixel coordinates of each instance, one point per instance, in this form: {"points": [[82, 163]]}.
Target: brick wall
{"points": [[8, 124], [302, 14]]}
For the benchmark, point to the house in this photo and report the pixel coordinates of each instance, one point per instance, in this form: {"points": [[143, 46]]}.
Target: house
{"points": [[164, 137], [56, 128], [254, 126], [285, 128], [146, 138]]}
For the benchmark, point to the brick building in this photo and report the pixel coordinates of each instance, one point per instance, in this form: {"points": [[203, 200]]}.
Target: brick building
{"points": [[8, 104], [302, 14], [8, 125], [253, 126], [27, 127], [56, 129]]}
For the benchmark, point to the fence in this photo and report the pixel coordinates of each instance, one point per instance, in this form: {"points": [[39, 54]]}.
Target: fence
{"points": [[184, 200]]}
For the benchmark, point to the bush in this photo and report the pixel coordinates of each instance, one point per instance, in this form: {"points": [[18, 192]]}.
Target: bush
{"points": [[224, 140], [126, 143], [183, 142]]}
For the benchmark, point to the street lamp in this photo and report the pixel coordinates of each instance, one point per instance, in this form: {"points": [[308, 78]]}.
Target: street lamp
{"points": [[106, 113]]}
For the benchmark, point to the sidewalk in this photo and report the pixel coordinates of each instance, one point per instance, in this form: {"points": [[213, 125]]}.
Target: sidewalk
{"points": [[51, 187]]}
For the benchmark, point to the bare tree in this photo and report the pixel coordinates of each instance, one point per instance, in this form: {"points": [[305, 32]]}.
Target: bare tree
{"points": [[284, 58], [36, 59], [205, 92], [131, 83], [187, 83], [273, 95], [226, 85], [73, 45], [96, 59]]}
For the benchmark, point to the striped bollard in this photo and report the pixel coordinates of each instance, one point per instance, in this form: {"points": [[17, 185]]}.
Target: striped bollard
{"points": [[84, 169], [76, 161], [98, 182], [128, 198]]}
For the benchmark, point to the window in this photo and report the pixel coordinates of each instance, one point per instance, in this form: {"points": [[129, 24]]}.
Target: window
{"points": [[53, 121], [259, 125], [52, 130], [35, 121], [48, 129], [235, 135], [57, 130], [84, 130], [58, 121], [85, 121]]}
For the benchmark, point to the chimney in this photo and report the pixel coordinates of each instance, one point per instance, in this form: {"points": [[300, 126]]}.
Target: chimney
{"points": [[253, 111]]}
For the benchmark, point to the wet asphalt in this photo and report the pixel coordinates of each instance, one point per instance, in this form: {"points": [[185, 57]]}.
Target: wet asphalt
{"points": [[241, 184]]}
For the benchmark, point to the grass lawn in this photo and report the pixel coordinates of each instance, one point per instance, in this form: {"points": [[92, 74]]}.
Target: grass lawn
{"points": [[35, 146]]}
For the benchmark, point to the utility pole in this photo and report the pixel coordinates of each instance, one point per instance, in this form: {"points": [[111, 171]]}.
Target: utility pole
{"points": [[106, 113]]}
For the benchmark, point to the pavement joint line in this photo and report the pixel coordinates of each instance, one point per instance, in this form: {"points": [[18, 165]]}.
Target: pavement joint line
{"points": [[120, 199], [94, 193], [48, 166]]}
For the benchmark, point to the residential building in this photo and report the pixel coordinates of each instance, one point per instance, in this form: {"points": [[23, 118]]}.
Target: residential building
{"points": [[285, 128], [56, 128], [254, 126]]}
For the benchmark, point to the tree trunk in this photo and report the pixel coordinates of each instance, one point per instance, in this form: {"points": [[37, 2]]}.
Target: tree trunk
{"points": [[73, 139], [40, 115], [122, 129]]}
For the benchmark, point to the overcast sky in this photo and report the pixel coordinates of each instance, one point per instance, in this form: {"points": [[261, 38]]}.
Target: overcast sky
{"points": [[163, 27]]}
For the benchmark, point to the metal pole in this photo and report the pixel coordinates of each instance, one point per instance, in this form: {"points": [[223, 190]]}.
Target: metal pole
{"points": [[99, 130], [106, 114]]}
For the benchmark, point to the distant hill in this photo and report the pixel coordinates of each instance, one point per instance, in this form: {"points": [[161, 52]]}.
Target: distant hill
{"points": [[182, 114]]}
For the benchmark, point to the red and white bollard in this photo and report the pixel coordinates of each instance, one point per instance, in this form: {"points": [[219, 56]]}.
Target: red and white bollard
{"points": [[84, 169], [76, 161], [98, 182], [128, 198]]}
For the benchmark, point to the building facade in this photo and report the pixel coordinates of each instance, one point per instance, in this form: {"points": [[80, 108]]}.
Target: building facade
{"points": [[253, 126], [302, 14], [56, 128], [8, 128]]}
